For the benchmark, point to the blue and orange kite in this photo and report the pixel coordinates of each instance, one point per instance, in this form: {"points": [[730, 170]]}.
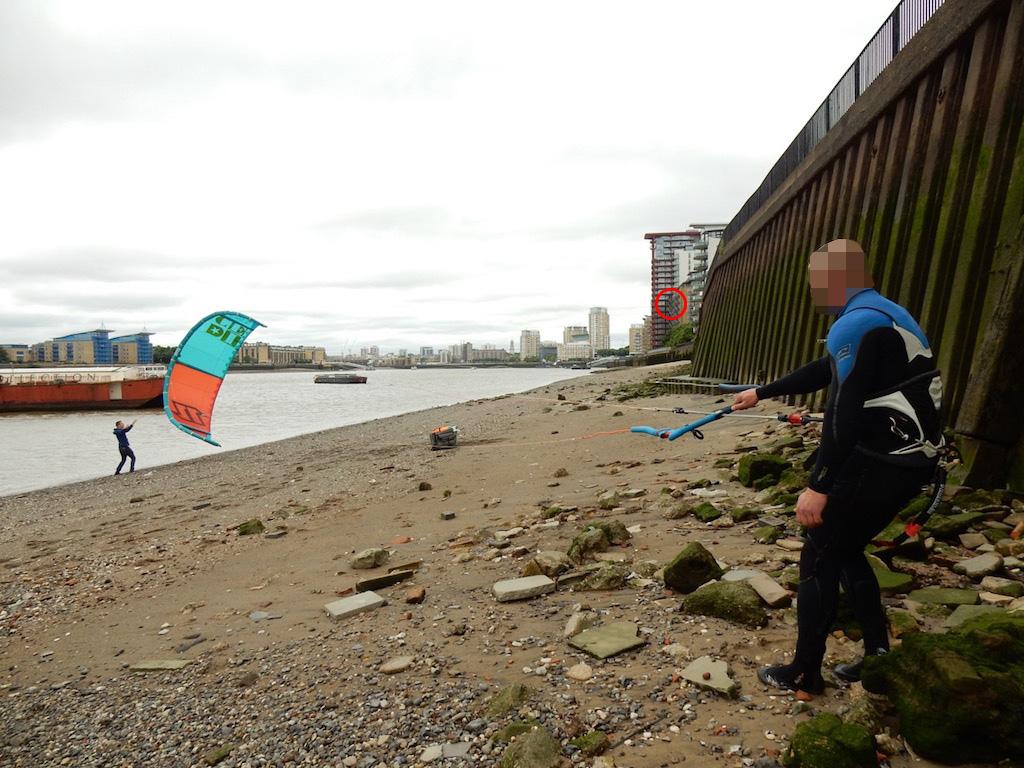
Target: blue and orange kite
{"points": [[198, 367]]}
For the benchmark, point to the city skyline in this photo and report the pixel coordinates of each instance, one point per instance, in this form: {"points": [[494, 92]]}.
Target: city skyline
{"points": [[453, 188]]}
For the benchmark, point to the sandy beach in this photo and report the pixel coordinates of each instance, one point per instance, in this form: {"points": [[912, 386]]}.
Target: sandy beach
{"points": [[99, 576]]}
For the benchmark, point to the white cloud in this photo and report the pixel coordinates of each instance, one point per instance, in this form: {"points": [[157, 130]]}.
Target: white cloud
{"points": [[419, 172]]}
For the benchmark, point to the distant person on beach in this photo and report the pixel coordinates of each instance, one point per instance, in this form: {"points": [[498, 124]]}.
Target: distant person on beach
{"points": [[879, 445], [121, 433]]}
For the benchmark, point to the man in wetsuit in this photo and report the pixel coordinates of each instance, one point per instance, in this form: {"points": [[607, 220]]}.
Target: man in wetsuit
{"points": [[121, 433], [879, 445]]}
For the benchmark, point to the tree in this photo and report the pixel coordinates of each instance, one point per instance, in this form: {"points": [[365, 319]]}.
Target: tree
{"points": [[3, 356], [680, 334], [620, 352], [162, 354]]}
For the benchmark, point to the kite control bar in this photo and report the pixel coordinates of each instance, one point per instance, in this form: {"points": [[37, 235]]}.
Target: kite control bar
{"points": [[672, 434], [798, 419], [694, 428]]}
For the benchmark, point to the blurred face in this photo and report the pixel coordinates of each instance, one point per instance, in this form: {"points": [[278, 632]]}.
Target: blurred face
{"points": [[119, 425], [835, 272]]}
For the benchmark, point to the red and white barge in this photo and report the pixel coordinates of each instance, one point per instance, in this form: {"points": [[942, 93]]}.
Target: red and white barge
{"points": [[81, 389]]}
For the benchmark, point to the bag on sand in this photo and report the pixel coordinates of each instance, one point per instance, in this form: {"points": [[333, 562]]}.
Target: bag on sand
{"points": [[443, 437]]}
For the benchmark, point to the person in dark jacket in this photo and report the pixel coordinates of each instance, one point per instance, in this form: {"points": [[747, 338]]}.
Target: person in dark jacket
{"points": [[880, 442], [121, 433]]}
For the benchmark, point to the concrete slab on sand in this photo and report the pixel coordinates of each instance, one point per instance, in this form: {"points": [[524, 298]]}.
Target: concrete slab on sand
{"points": [[609, 640], [350, 606], [769, 590], [965, 612], [944, 596], [522, 588], [713, 675]]}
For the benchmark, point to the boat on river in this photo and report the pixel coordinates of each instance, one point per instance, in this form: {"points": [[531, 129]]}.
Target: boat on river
{"points": [[82, 388], [339, 378]]}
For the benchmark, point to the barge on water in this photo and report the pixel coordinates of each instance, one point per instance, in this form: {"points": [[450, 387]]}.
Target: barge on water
{"points": [[339, 378], [81, 389]]}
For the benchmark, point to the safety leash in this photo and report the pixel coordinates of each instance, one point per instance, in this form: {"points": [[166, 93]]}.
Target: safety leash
{"points": [[948, 458]]}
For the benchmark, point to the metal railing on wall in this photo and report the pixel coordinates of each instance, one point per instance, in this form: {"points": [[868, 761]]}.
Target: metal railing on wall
{"points": [[892, 37]]}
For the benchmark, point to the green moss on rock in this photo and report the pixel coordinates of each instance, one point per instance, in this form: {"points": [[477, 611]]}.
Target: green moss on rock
{"points": [[782, 497], [586, 543], [744, 515], [978, 498], [958, 694], [994, 535], [790, 442], [767, 534], [828, 742], [706, 512], [514, 730], [902, 623], [678, 510], [217, 754], [593, 743], [790, 578], [944, 596], [534, 749], [693, 566], [609, 576], [754, 466], [948, 526], [508, 699], [615, 530], [794, 480], [893, 583], [250, 527], [734, 601]]}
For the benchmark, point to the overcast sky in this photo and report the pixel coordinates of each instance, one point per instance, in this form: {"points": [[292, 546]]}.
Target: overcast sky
{"points": [[403, 174]]}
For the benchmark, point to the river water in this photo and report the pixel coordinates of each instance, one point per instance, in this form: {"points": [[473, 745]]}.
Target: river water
{"points": [[39, 450]]}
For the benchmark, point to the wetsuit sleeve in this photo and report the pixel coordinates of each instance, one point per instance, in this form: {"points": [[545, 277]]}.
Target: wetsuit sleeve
{"points": [[854, 362], [809, 378], [129, 428]]}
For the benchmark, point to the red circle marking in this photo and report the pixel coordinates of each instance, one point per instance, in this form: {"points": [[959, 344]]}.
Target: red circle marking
{"points": [[657, 301]]}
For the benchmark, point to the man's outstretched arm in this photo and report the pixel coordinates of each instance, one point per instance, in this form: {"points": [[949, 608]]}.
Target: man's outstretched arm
{"points": [[809, 378]]}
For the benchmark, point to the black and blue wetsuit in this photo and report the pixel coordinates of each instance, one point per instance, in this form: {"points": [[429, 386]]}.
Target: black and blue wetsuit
{"points": [[124, 448], [879, 445]]}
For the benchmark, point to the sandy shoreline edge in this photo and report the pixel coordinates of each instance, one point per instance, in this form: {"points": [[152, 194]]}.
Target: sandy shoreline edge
{"points": [[234, 452], [97, 577]]}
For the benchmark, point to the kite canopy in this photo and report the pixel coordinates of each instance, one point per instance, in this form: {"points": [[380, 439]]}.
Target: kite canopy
{"points": [[198, 367]]}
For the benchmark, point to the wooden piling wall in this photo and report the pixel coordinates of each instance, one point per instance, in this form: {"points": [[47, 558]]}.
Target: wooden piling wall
{"points": [[926, 171]]}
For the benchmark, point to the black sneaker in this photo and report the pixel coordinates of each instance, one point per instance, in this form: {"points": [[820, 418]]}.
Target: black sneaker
{"points": [[786, 678], [850, 673]]}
